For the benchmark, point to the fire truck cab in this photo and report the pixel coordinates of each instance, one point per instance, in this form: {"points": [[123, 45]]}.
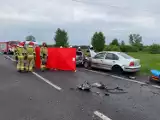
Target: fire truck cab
{"points": [[8, 47]]}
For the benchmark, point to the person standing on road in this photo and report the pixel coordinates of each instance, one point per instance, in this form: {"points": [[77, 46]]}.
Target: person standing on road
{"points": [[25, 55], [20, 56], [30, 53], [15, 53], [44, 56]]}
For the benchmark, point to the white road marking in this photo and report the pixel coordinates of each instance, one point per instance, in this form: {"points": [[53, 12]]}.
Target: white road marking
{"points": [[127, 79], [102, 116], [122, 78], [10, 58], [156, 86], [114, 76], [47, 81], [39, 76]]}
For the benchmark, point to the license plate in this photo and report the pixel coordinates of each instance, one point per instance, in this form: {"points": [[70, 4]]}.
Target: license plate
{"points": [[155, 78]]}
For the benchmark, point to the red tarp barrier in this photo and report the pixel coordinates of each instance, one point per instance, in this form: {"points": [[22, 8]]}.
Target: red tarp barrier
{"points": [[59, 58], [38, 60]]}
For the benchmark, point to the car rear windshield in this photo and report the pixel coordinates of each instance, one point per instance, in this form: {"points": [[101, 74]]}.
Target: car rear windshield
{"points": [[125, 56], [79, 53]]}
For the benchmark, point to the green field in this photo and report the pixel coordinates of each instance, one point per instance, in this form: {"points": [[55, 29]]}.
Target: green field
{"points": [[148, 61]]}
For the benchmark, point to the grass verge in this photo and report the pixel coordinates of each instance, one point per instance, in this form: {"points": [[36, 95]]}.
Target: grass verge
{"points": [[148, 61]]}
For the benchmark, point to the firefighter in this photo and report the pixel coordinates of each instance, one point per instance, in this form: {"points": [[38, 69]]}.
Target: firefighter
{"points": [[30, 57], [20, 56], [15, 53], [44, 56], [79, 48], [25, 55]]}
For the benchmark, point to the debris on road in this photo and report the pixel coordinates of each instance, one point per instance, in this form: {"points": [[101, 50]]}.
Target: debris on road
{"points": [[85, 86], [30, 98], [99, 85], [132, 77], [108, 90], [104, 90]]}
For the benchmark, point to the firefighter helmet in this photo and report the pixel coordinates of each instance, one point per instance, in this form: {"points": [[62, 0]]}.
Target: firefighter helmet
{"points": [[44, 44], [21, 44], [24, 43], [31, 44]]}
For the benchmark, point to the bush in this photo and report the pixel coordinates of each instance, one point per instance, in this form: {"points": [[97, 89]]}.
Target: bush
{"points": [[128, 48], [112, 48], [154, 49], [106, 48], [123, 48], [146, 49]]}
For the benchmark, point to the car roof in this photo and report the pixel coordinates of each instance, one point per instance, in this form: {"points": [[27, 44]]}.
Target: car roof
{"points": [[115, 52]]}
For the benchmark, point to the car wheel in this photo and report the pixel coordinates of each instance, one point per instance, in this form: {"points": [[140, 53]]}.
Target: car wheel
{"points": [[117, 69], [87, 65]]}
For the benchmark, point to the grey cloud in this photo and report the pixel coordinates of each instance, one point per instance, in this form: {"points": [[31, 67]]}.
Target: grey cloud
{"points": [[116, 18]]}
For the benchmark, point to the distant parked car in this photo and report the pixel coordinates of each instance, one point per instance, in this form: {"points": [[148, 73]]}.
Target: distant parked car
{"points": [[79, 58], [115, 61]]}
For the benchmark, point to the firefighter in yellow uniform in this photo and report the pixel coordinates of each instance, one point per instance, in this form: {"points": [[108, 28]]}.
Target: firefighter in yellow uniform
{"points": [[44, 56], [30, 57], [15, 53], [20, 56]]}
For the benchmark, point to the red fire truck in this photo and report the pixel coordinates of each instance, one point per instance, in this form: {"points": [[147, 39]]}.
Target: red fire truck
{"points": [[8, 47]]}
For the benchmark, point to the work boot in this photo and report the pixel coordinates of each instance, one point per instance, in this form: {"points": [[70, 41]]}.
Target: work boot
{"points": [[22, 70], [31, 70], [42, 70]]}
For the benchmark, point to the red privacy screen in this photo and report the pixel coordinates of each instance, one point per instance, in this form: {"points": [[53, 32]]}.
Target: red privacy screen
{"points": [[59, 58]]}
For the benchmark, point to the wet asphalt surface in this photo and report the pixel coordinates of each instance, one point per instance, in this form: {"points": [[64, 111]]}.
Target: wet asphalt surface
{"points": [[24, 96]]}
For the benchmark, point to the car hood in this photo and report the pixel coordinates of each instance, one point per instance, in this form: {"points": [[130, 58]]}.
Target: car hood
{"points": [[92, 53]]}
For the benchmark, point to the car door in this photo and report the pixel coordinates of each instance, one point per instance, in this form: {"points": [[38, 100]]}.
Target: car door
{"points": [[97, 60], [110, 60]]}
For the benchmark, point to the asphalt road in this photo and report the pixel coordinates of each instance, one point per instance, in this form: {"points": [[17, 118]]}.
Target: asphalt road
{"points": [[48, 96]]}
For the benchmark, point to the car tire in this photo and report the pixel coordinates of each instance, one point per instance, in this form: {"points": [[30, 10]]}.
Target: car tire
{"points": [[117, 69], [87, 65]]}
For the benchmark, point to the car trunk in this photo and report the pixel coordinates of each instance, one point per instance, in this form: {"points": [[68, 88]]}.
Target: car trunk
{"points": [[134, 62]]}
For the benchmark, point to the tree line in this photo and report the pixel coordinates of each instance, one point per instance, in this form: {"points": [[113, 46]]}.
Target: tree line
{"points": [[98, 41], [135, 44]]}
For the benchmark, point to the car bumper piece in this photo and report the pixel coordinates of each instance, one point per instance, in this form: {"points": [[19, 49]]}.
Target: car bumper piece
{"points": [[135, 69]]}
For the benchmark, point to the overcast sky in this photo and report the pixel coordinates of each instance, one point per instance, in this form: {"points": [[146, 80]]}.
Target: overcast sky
{"points": [[116, 18]]}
